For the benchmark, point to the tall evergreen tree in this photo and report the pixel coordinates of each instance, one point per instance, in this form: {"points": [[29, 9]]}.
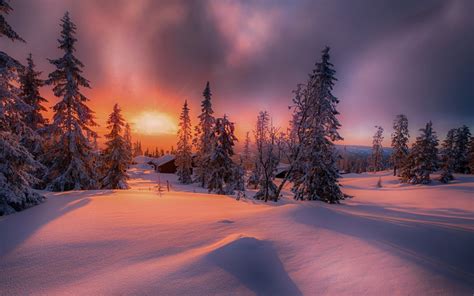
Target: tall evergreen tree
{"points": [[16, 163], [423, 157], [204, 137], [400, 138], [377, 149], [461, 150], [316, 127], [184, 154], [71, 155], [448, 159], [115, 159], [221, 165]]}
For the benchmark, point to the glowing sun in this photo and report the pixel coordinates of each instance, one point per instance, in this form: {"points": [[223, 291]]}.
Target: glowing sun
{"points": [[154, 123]]}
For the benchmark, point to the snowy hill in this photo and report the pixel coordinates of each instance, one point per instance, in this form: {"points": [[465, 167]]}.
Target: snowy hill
{"points": [[398, 239]]}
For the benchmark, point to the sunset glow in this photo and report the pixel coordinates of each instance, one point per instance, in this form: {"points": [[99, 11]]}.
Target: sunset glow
{"points": [[153, 123]]}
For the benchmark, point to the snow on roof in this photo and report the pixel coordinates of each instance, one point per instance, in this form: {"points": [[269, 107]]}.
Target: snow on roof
{"points": [[163, 159]]}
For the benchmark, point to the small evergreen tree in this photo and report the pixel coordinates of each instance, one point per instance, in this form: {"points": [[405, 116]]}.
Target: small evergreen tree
{"points": [[246, 155], [400, 138], [471, 156], [204, 137], [220, 163], [30, 84], [377, 149], [461, 150], [448, 159], [127, 136], [71, 155], [423, 157], [184, 154], [116, 153]]}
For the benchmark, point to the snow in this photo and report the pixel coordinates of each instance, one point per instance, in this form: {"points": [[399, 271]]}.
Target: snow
{"points": [[398, 239]]}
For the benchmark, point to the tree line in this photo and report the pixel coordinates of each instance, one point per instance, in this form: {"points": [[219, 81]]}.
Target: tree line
{"points": [[58, 155]]}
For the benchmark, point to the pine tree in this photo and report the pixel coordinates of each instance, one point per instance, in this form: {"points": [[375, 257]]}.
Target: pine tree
{"points": [[448, 159], [71, 154], [127, 136], [461, 150], [115, 159], [246, 156], [184, 154], [314, 129], [204, 137], [30, 84], [266, 158], [423, 157], [377, 149], [16, 163], [221, 166], [471, 156], [137, 149], [29, 92], [400, 138]]}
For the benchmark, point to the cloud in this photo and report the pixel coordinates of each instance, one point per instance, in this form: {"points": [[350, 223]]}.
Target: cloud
{"points": [[391, 56]]}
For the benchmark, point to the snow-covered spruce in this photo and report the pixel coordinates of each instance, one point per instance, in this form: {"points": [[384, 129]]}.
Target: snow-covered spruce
{"points": [[70, 156], [183, 153], [448, 159], [461, 150], [471, 156], [400, 138], [30, 84], [377, 149], [221, 166], [423, 157], [266, 158], [315, 127], [16, 163], [127, 136], [204, 138], [116, 154]]}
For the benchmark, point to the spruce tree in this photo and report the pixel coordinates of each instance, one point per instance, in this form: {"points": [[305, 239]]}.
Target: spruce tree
{"points": [[221, 166], [377, 149], [204, 137], [71, 156], [471, 156], [16, 163], [314, 129], [115, 159], [461, 150], [127, 136], [423, 157], [448, 157], [246, 155], [30, 83], [400, 138], [183, 153]]}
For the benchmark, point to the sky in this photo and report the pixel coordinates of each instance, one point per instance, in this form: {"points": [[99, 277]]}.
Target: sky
{"points": [[391, 57]]}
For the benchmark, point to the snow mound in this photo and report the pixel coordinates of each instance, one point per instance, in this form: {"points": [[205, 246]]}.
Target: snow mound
{"points": [[256, 265]]}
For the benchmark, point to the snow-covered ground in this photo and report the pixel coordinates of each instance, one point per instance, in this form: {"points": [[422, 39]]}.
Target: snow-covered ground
{"points": [[398, 239]]}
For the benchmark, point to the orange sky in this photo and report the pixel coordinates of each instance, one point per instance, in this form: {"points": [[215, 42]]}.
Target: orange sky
{"points": [[150, 56]]}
